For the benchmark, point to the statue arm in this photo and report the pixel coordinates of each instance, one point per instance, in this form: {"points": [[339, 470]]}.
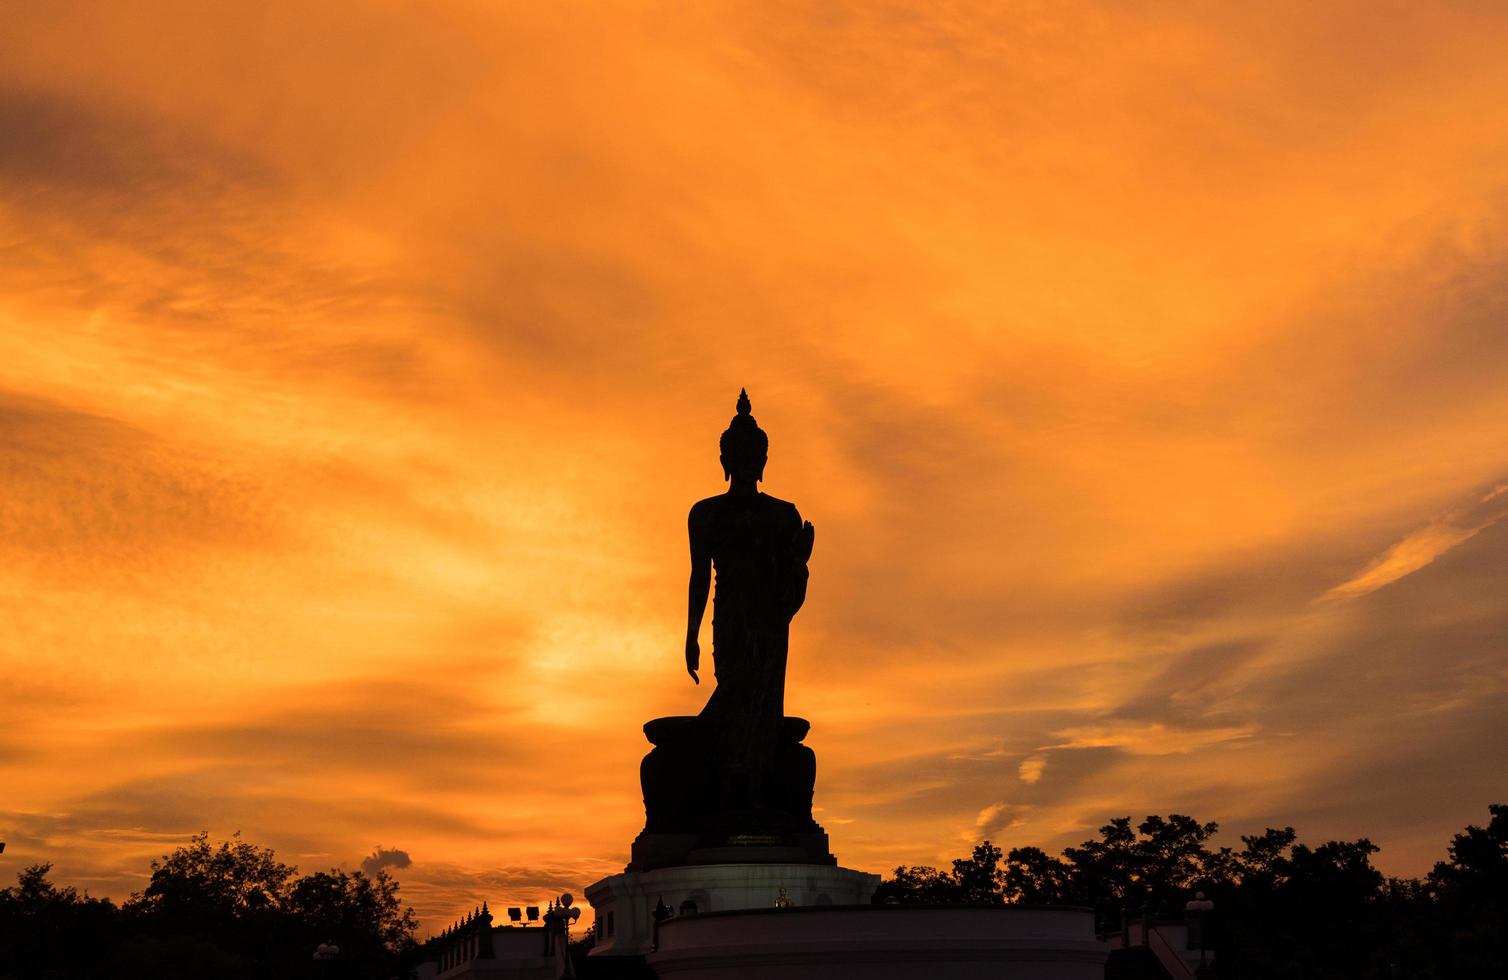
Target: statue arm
{"points": [[696, 597], [805, 537]]}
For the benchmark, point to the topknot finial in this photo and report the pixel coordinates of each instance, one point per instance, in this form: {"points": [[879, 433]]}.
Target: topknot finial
{"points": [[744, 438]]}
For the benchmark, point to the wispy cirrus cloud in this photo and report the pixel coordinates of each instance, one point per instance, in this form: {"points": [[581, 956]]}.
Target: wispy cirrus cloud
{"points": [[1426, 544]]}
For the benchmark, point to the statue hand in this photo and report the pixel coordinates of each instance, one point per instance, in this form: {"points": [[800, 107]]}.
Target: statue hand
{"points": [[804, 540], [693, 659]]}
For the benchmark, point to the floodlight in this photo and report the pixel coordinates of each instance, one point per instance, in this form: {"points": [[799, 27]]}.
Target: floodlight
{"points": [[515, 913], [533, 912]]}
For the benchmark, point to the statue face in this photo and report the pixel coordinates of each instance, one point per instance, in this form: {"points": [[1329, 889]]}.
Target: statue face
{"points": [[746, 464]]}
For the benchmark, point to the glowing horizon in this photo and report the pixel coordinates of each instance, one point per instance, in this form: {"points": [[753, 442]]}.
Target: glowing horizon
{"points": [[1143, 373]]}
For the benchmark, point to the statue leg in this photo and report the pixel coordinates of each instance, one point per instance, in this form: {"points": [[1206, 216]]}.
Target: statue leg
{"points": [[795, 780], [672, 777]]}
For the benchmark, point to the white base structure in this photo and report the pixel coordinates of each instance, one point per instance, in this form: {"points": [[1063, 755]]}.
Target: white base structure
{"points": [[516, 953], [624, 903], [878, 942]]}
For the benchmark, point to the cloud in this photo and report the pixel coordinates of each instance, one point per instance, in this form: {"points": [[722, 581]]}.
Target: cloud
{"points": [[1030, 770], [996, 819], [381, 859], [84, 487], [353, 390], [1147, 739], [1428, 543]]}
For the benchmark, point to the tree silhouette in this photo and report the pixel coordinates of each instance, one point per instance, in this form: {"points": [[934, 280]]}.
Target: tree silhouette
{"points": [[229, 911], [979, 877], [919, 885], [362, 911], [974, 880], [1283, 909], [42, 923], [1470, 897], [1033, 877]]}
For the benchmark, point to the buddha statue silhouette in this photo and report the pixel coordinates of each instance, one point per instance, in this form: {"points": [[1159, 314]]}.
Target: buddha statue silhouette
{"points": [[759, 547], [735, 783]]}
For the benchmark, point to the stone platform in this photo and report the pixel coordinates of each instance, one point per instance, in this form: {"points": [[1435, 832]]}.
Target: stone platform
{"points": [[879, 942], [624, 902]]}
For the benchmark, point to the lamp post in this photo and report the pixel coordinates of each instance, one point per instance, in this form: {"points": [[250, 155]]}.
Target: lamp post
{"points": [[558, 927], [1196, 909], [325, 954]]}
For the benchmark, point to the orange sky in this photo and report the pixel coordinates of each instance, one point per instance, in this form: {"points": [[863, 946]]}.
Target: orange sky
{"points": [[1143, 367]]}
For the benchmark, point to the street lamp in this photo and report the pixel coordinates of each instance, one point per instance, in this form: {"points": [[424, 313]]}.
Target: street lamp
{"points": [[1196, 909], [558, 921]]}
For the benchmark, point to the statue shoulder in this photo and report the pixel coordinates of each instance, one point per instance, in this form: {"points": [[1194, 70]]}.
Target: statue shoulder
{"points": [[784, 508], [703, 510]]}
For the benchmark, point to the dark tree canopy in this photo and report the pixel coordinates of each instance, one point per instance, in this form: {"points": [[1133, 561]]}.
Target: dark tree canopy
{"points": [[235, 881], [1283, 908], [228, 910], [1469, 896], [41, 923]]}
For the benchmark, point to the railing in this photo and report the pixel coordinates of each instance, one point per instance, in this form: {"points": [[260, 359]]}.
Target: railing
{"points": [[1171, 959]]}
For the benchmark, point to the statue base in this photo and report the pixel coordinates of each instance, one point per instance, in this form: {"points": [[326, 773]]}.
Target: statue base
{"points": [[719, 841], [624, 903], [698, 813], [651, 851]]}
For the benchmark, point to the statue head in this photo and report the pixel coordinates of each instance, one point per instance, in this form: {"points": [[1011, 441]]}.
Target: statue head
{"points": [[745, 447]]}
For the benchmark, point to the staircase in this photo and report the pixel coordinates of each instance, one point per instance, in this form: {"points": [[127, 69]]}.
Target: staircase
{"points": [[1150, 950]]}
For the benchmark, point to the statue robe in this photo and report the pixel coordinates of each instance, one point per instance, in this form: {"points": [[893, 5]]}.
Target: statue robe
{"points": [[758, 548]]}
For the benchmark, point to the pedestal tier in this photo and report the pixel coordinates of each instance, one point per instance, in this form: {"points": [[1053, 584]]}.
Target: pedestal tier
{"points": [[880, 941], [695, 812], [624, 903]]}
